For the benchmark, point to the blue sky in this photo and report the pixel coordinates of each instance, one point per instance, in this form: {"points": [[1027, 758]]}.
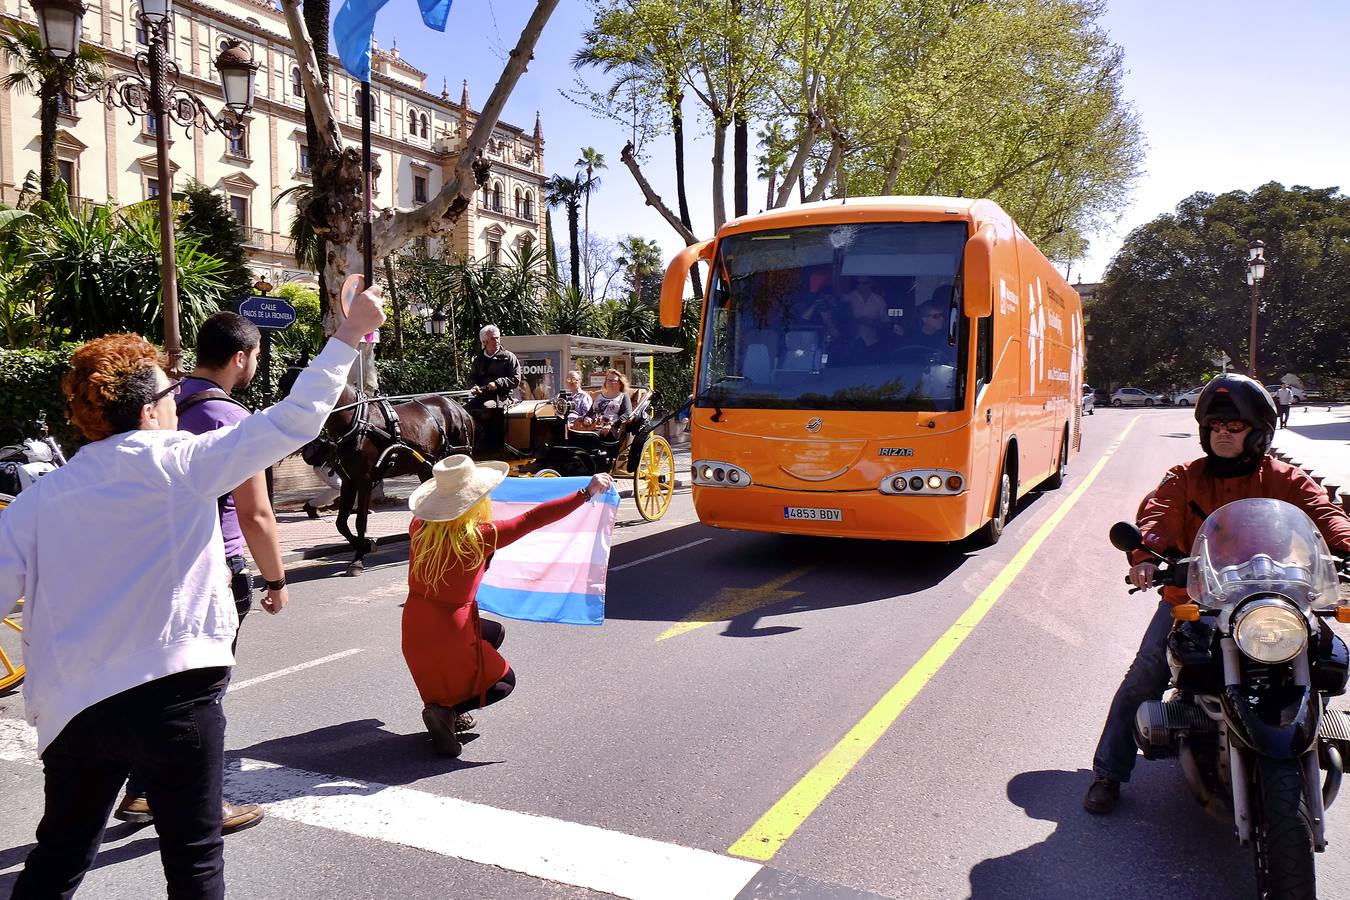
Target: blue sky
{"points": [[1230, 93]]}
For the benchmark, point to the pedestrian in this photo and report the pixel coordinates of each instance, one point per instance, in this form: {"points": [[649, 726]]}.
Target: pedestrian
{"points": [[227, 359], [129, 616], [1284, 398], [452, 653]]}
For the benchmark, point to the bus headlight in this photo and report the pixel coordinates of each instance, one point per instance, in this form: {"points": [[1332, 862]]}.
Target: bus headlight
{"points": [[924, 482], [1271, 631], [710, 472], [934, 482]]}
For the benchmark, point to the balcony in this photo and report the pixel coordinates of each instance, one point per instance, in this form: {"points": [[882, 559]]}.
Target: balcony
{"points": [[251, 237]]}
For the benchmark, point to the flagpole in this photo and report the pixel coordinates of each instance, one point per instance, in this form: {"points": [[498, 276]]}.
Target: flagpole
{"points": [[368, 224]]}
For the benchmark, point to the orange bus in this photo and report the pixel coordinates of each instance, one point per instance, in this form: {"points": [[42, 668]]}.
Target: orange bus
{"points": [[902, 368]]}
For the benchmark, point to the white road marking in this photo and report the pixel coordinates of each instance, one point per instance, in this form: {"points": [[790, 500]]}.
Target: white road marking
{"points": [[250, 682], [638, 562], [542, 847]]}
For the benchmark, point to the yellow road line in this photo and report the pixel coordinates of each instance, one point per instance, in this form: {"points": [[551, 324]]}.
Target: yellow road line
{"points": [[732, 602], [767, 836]]}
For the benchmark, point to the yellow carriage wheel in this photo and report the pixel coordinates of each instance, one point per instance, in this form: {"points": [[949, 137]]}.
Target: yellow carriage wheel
{"points": [[11, 673], [547, 473], [654, 480]]}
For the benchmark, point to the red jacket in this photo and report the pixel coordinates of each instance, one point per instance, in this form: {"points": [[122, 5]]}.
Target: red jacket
{"points": [[1172, 514]]}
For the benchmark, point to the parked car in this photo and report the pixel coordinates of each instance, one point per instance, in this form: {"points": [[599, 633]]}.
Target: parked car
{"points": [[1187, 398], [1300, 395], [1133, 396], [1089, 400]]}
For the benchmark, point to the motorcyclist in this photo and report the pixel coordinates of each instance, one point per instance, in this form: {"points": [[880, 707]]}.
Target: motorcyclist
{"points": [[1237, 420]]}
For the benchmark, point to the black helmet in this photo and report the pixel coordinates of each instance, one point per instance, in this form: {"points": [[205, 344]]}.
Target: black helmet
{"points": [[1238, 397]]}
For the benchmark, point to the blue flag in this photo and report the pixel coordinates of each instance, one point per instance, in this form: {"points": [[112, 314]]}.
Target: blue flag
{"points": [[354, 26]]}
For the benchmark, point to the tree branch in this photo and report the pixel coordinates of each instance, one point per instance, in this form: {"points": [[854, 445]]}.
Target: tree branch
{"points": [[317, 97], [653, 199]]}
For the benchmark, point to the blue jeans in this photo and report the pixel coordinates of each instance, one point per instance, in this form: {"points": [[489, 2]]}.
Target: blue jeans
{"points": [[1145, 681], [174, 729]]}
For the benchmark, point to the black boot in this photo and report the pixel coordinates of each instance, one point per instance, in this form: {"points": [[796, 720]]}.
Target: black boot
{"points": [[1102, 795], [440, 722]]}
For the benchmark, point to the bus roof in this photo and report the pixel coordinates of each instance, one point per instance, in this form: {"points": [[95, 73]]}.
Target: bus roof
{"points": [[835, 210]]}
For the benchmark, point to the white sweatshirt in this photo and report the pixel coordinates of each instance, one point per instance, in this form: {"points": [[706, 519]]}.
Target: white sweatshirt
{"points": [[120, 555]]}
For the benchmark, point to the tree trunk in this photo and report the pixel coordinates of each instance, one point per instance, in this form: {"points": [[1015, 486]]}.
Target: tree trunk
{"points": [[741, 152], [48, 92], [652, 198], [719, 174], [550, 248], [315, 13], [392, 285], [798, 164], [827, 174], [574, 245], [677, 129], [586, 249]]}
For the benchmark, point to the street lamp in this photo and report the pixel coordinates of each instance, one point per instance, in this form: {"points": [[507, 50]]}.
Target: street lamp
{"points": [[151, 92], [1256, 270], [433, 321]]}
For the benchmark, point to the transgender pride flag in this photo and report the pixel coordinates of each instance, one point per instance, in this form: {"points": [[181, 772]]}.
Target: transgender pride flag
{"points": [[557, 573]]}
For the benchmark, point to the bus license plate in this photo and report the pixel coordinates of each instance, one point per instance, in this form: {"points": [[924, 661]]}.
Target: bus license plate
{"points": [[813, 514]]}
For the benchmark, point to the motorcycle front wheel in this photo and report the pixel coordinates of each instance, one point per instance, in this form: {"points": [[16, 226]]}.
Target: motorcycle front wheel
{"points": [[1283, 833]]}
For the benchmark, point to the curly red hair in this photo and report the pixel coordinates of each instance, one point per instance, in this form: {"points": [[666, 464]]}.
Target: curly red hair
{"points": [[106, 377]]}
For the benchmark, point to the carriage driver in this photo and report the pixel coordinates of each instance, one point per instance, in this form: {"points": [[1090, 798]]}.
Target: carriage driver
{"points": [[493, 379]]}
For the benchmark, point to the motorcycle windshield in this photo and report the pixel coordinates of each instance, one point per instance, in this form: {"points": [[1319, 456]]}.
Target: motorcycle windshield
{"points": [[1261, 546]]}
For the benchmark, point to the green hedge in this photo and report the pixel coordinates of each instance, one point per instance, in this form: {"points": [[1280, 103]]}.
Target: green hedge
{"points": [[30, 383]]}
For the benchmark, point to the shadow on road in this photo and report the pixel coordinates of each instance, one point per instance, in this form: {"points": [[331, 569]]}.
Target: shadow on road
{"points": [[109, 856], [361, 750], [1181, 852]]}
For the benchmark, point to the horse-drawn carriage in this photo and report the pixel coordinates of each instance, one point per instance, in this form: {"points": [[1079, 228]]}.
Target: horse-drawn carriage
{"points": [[11, 669]]}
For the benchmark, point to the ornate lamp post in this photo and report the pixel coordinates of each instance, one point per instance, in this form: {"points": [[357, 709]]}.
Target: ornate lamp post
{"points": [[151, 92], [433, 321], [1256, 270]]}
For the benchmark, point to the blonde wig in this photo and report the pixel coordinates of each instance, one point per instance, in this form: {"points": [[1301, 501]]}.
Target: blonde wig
{"points": [[459, 542]]}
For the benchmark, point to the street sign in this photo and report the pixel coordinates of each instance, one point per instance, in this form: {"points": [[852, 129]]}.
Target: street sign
{"points": [[268, 312]]}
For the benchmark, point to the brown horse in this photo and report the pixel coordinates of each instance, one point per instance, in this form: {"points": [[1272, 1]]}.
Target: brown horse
{"points": [[368, 438]]}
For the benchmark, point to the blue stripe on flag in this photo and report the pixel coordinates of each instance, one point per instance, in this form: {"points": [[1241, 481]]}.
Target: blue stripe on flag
{"points": [[353, 28], [539, 490], [542, 606], [434, 13]]}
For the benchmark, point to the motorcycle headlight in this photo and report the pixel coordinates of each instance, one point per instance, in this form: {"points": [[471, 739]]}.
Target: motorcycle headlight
{"points": [[1271, 633]]}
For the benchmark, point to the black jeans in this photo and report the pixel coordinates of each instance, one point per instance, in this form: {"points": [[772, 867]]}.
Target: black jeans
{"points": [[494, 633], [172, 728], [1144, 681]]}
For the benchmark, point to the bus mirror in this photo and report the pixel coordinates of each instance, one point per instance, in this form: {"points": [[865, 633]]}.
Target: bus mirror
{"points": [[977, 274], [677, 276]]}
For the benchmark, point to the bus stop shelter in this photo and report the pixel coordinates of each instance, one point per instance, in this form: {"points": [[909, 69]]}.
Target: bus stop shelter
{"points": [[546, 358]]}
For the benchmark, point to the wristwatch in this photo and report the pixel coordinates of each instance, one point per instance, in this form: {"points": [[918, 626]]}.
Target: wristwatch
{"points": [[275, 585]]}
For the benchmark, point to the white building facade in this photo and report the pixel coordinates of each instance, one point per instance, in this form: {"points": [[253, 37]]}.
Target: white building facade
{"points": [[416, 135]]}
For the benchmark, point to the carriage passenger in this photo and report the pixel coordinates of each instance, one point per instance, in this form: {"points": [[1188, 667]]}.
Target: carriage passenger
{"points": [[579, 402], [612, 408]]}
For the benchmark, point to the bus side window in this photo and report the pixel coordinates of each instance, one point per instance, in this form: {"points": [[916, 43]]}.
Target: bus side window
{"points": [[984, 352]]}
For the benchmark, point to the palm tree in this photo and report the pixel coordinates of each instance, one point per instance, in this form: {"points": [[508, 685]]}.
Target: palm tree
{"points": [[642, 259], [563, 191], [38, 72], [591, 159]]}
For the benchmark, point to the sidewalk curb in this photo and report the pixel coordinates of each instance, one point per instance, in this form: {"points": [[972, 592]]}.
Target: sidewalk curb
{"points": [[1341, 498]]}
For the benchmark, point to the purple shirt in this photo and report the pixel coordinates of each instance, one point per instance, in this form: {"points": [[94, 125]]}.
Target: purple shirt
{"points": [[208, 416]]}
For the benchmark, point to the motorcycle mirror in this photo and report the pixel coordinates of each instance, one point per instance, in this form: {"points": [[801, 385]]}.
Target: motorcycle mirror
{"points": [[1126, 537]]}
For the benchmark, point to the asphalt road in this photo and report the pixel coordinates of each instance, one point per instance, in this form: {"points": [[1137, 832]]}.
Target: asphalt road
{"points": [[730, 666]]}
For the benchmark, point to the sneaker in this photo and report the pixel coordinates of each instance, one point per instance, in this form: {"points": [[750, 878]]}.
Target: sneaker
{"points": [[238, 816], [440, 722], [464, 722], [1102, 796], [134, 810]]}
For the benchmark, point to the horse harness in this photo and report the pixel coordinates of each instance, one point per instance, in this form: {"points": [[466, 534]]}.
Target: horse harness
{"points": [[390, 434]]}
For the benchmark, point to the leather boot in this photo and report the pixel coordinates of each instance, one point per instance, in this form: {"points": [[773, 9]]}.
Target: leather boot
{"points": [[238, 816], [440, 722]]}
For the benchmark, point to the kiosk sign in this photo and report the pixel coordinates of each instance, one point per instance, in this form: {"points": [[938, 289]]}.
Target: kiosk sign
{"points": [[268, 312]]}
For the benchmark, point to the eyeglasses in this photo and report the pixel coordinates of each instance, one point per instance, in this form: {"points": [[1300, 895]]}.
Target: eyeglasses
{"points": [[175, 388], [1232, 426]]}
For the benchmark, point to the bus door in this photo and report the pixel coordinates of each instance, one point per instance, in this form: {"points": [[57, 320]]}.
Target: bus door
{"points": [[986, 429]]}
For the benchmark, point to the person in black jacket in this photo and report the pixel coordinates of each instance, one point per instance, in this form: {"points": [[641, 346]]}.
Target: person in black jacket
{"points": [[493, 379]]}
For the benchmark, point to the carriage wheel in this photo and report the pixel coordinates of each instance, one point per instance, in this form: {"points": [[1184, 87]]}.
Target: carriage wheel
{"points": [[654, 480], [11, 673], [547, 473]]}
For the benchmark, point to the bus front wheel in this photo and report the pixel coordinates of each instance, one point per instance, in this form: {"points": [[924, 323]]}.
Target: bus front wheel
{"points": [[993, 529]]}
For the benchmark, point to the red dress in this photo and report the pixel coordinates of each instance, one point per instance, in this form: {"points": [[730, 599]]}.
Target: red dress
{"points": [[442, 641]]}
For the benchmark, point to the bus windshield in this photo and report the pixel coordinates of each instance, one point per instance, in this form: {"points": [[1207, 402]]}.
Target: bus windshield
{"points": [[859, 316]]}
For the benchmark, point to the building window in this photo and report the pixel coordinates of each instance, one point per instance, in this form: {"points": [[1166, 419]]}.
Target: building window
{"points": [[65, 170], [239, 142], [412, 123], [304, 157], [529, 206], [151, 188], [239, 210], [297, 84], [142, 37], [497, 196], [487, 197], [426, 126], [519, 208], [420, 188], [65, 104], [152, 125], [494, 253], [374, 104]]}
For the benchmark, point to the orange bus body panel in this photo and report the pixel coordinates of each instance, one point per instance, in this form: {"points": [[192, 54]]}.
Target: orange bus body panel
{"points": [[1027, 412]]}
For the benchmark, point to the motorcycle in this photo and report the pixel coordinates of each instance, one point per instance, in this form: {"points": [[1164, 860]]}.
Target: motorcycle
{"points": [[1253, 663], [24, 463]]}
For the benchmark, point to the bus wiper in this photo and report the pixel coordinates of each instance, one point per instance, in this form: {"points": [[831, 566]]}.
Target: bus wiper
{"points": [[717, 410]]}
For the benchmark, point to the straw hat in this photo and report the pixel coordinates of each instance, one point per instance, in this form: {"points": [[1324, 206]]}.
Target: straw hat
{"points": [[456, 484]]}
